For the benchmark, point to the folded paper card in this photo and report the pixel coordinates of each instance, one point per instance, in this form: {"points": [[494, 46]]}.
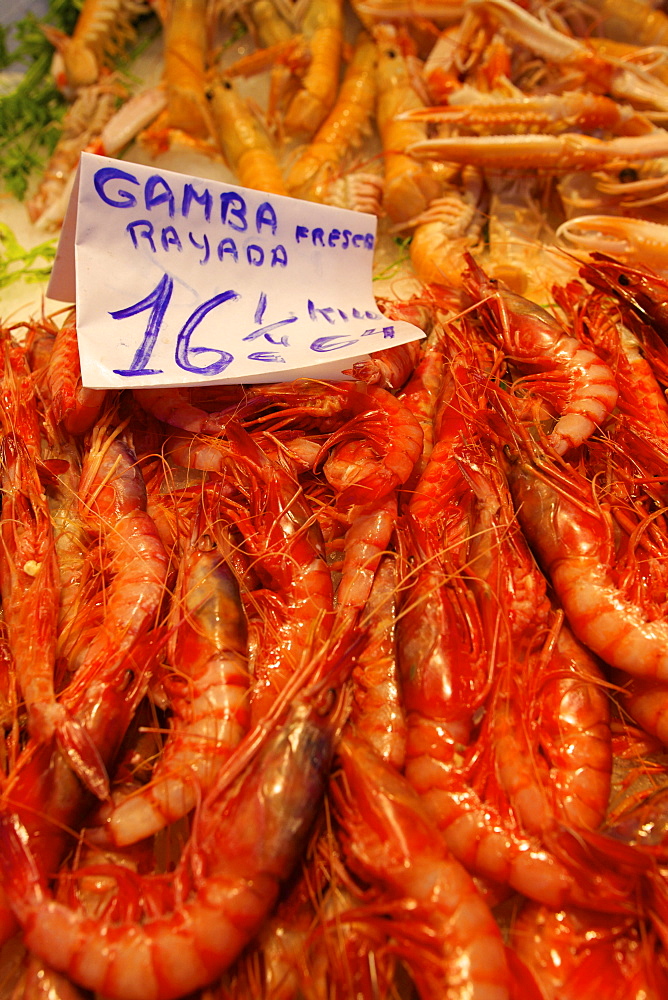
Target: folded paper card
{"points": [[180, 280]]}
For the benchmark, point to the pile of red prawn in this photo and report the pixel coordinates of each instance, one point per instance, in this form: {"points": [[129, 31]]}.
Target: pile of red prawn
{"points": [[317, 688], [359, 688]]}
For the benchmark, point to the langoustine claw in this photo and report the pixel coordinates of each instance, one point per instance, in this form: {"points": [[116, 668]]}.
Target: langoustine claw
{"points": [[623, 79], [630, 240], [559, 153], [103, 29]]}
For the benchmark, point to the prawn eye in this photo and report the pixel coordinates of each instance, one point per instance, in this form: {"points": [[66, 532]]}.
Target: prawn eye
{"points": [[326, 705], [628, 175], [127, 680], [206, 543], [624, 279]]}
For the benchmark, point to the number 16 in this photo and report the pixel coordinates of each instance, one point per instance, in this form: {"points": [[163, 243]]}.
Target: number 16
{"points": [[157, 302]]}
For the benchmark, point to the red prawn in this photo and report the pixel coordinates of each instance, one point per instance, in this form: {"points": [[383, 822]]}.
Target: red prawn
{"points": [[391, 842], [293, 613], [575, 379], [374, 441], [76, 407], [207, 686]]}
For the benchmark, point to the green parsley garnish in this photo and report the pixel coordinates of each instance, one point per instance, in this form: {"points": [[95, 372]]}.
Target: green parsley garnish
{"points": [[403, 243], [19, 264], [29, 114]]}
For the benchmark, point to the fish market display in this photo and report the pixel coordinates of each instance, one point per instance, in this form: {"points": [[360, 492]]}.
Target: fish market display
{"points": [[320, 690]]}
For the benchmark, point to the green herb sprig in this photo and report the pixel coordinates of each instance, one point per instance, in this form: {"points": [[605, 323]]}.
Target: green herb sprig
{"points": [[30, 113], [19, 264], [403, 255]]}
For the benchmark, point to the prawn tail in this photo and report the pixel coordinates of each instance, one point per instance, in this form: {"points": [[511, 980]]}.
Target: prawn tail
{"points": [[22, 880], [523, 981], [617, 853], [83, 756], [340, 659]]}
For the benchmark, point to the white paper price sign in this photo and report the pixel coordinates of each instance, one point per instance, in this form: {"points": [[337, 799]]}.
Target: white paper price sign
{"points": [[180, 281]]}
